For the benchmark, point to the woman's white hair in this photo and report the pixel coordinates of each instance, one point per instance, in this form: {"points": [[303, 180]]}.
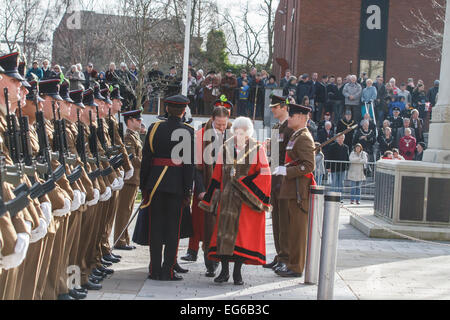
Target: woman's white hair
{"points": [[243, 123]]}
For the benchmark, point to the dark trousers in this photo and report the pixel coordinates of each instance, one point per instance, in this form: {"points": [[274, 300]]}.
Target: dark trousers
{"points": [[165, 219]]}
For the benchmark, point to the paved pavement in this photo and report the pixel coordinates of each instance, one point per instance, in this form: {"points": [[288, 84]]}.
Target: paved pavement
{"points": [[366, 269]]}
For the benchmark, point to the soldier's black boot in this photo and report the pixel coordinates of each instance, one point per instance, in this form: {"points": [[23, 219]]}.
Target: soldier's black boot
{"points": [[224, 273], [191, 256], [170, 275], [237, 276], [179, 269], [77, 295], [211, 267]]}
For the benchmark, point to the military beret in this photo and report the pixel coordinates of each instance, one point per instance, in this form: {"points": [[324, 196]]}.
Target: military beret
{"points": [[50, 88], [298, 109], [10, 63], [178, 101], [88, 98], [77, 97], [276, 100], [64, 92]]}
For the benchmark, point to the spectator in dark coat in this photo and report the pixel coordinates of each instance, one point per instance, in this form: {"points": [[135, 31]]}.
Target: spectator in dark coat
{"points": [[420, 148], [284, 81], [396, 122], [36, 71], [380, 102], [417, 125], [290, 90], [89, 75], [324, 135], [343, 125], [339, 152], [419, 100], [333, 97], [320, 98], [366, 138], [47, 72], [304, 88], [432, 94], [386, 141], [228, 85]]}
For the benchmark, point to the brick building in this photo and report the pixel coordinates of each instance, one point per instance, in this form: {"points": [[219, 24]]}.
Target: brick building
{"points": [[339, 36]]}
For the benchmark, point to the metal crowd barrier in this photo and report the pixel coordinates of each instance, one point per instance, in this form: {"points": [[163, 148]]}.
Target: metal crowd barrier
{"points": [[339, 171]]}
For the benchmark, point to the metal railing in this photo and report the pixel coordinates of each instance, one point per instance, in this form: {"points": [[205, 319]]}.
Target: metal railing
{"points": [[333, 175]]}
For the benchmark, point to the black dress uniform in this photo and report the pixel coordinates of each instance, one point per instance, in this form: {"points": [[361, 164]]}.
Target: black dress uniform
{"points": [[166, 184]]}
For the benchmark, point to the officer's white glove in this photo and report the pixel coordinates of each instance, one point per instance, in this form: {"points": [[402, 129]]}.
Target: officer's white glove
{"points": [[83, 198], [20, 251], [280, 171], [115, 185], [122, 173], [40, 232], [76, 202], [94, 201], [106, 195], [121, 182], [46, 208], [129, 174], [64, 210]]}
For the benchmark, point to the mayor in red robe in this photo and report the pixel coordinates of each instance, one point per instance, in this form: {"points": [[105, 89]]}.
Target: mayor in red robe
{"points": [[242, 177], [407, 145]]}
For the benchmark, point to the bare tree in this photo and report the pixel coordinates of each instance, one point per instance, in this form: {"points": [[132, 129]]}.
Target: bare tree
{"points": [[145, 35], [267, 11], [428, 32], [243, 38]]}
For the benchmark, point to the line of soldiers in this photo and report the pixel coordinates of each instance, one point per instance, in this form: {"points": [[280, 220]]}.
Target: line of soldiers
{"points": [[63, 166]]}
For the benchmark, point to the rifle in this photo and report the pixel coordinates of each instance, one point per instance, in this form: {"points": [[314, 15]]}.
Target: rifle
{"points": [[93, 146], [111, 129], [36, 190], [44, 156], [256, 102], [11, 132], [58, 143], [101, 135], [81, 149], [295, 162]]}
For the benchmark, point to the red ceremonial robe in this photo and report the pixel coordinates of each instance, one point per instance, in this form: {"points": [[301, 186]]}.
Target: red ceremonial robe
{"points": [[407, 147], [244, 198]]}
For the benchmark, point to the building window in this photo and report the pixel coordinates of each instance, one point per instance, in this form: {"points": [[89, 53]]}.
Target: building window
{"points": [[373, 68]]}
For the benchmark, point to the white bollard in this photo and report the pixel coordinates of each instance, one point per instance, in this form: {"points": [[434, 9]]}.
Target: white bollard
{"points": [[315, 218], [328, 253]]}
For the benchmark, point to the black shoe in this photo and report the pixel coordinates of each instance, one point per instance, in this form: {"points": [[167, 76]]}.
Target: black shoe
{"points": [[116, 256], [65, 296], [110, 258], [106, 263], [167, 277], [92, 286], [210, 272], [106, 270], [77, 295], [238, 281], [95, 278], [280, 265], [191, 256], [286, 273], [270, 265], [179, 269], [222, 278], [155, 277], [82, 290], [125, 248], [98, 273]]}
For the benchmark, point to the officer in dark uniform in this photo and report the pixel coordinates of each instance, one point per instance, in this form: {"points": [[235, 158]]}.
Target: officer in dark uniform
{"points": [[396, 121], [166, 183]]}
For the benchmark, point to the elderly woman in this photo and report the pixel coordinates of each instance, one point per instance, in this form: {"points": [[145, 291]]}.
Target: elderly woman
{"points": [[407, 145], [358, 159], [242, 176], [369, 95]]}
